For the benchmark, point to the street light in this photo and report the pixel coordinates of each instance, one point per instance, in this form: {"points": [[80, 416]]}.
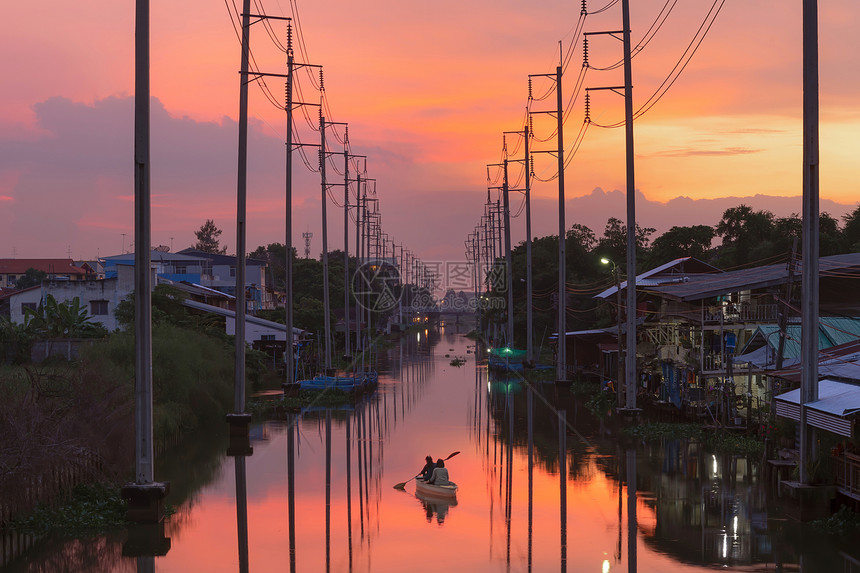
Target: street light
{"points": [[618, 385]]}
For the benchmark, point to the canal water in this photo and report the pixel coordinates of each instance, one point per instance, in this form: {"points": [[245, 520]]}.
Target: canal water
{"points": [[317, 492]]}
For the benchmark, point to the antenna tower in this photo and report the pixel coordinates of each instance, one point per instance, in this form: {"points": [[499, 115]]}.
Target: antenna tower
{"points": [[307, 235]]}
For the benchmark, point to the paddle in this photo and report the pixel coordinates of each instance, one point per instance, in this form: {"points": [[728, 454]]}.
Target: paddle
{"points": [[402, 485]]}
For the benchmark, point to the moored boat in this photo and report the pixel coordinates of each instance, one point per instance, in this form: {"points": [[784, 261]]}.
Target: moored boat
{"points": [[359, 382], [433, 490]]}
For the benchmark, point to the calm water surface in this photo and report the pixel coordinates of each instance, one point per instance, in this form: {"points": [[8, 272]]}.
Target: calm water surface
{"points": [[675, 508]]}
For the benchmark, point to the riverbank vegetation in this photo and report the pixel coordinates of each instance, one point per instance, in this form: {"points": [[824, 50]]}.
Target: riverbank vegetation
{"points": [[72, 421], [725, 442]]}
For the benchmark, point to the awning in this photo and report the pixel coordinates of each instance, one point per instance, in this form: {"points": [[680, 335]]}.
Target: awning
{"points": [[834, 411]]}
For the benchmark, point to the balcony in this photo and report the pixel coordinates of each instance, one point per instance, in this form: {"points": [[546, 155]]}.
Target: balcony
{"points": [[743, 312]]}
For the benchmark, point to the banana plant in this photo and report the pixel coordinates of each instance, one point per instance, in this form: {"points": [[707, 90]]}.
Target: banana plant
{"points": [[68, 319]]}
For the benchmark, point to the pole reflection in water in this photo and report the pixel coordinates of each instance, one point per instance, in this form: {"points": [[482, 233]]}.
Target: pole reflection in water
{"points": [[531, 464], [620, 505], [242, 511], [349, 493], [509, 475], [562, 478], [632, 524], [146, 564], [291, 487], [328, 490]]}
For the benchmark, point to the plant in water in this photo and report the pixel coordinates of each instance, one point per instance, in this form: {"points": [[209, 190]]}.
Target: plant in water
{"points": [[90, 508], [843, 523], [600, 403]]}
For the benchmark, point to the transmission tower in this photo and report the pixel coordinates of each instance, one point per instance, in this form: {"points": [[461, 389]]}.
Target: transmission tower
{"points": [[307, 235]]}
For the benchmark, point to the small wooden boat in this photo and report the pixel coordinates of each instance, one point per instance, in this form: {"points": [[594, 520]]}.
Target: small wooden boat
{"points": [[359, 382], [433, 490]]}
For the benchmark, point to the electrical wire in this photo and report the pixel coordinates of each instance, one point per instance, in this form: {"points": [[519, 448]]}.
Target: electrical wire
{"points": [[646, 39], [685, 58]]}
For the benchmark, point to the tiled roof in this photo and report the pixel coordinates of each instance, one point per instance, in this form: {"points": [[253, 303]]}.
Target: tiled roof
{"points": [[50, 266]]}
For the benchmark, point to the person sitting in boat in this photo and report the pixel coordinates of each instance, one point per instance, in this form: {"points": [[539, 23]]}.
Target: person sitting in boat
{"points": [[440, 474], [427, 471]]}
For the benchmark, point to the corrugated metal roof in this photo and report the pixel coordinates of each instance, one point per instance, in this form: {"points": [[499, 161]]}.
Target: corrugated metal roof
{"points": [[674, 271], [832, 331], [834, 397], [842, 362], [841, 329], [705, 286]]}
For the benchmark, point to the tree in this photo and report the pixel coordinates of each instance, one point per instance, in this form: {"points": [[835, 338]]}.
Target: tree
{"points": [[207, 239], [677, 242], [275, 255], [31, 277], [851, 231], [613, 244], [748, 236], [831, 240]]}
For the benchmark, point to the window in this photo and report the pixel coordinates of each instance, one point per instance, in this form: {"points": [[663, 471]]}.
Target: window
{"points": [[26, 305], [180, 269], [98, 307], [11, 279], [267, 337], [232, 271]]}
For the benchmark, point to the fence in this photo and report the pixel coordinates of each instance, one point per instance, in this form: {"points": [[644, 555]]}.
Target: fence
{"points": [[47, 487], [846, 468]]}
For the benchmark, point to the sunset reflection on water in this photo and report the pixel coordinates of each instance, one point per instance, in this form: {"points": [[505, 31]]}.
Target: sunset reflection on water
{"points": [[693, 510]]}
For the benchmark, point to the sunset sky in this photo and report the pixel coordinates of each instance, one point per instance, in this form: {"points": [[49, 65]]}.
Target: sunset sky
{"points": [[427, 91]]}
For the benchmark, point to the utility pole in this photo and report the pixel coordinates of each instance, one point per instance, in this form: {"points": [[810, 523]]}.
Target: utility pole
{"points": [[509, 268], [289, 356], [809, 296], [561, 368], [144, 495], [346, 310], [241, 201], [346, 343], [359, 247], [324, 187], [345, 184], [530, 357], [144, 457], [525, 133], [630, 355], [561, 362]]}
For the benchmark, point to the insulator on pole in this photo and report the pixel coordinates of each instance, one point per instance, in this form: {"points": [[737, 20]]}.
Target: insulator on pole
{"points": [[530, 89], [322, 85], [532, 166], [584, 10], [585, 52], [289, 37], [587, 107]]}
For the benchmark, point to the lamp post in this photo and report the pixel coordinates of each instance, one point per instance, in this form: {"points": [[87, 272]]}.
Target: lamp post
{"points": [[618, 385]]}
